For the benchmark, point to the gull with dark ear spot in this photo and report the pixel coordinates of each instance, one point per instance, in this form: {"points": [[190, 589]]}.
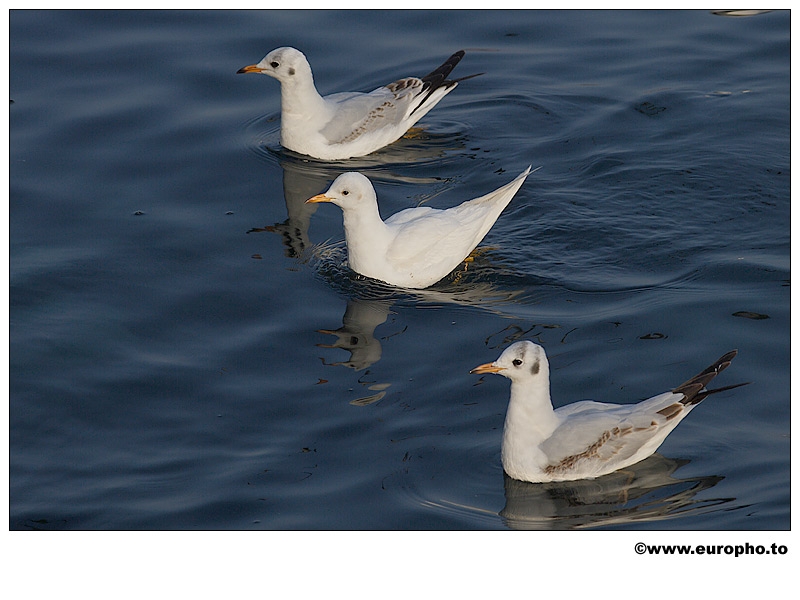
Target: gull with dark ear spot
{"points": [[416, 247], [348, 124], [585, 439]]}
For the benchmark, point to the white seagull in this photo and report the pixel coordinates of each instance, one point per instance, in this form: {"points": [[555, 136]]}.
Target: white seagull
{"points": [[416, 247], [349, 124], [585, 439]]}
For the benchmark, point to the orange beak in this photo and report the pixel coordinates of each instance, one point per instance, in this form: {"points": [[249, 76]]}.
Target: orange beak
{"points": [[249, 69], [318, 198], [487, 368]]}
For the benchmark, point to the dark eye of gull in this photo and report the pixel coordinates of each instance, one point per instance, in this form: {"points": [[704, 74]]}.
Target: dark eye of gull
{"points": [[516, 362], [345, 192], [274, 64]]}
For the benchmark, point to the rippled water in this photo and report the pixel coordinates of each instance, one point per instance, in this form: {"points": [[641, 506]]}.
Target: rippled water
{"points": [[188, 349]]}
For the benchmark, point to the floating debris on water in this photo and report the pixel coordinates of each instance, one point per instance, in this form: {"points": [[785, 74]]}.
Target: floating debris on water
{"points": [[750, 315], [653, 336]]}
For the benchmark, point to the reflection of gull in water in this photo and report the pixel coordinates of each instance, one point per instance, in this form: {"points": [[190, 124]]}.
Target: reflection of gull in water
{"points": [[298, 182], [644, 492], [357, 334]]}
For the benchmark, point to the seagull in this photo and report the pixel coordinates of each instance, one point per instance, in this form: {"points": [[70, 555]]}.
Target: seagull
{"points": [[585, 439], [349, 124], [416, 247]]}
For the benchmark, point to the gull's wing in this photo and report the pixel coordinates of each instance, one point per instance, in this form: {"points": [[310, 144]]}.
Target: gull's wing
{"points": [[397, 105], [605, 433], [359, 114], [426, 237], [383, 111]]}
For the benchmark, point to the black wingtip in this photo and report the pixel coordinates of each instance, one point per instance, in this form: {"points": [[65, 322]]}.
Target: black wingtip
{"points": [[695, 390], [438, 77]]}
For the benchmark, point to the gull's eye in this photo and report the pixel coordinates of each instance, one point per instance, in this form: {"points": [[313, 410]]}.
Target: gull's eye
{"points": [[345, 192], [516, 362], [274, 64]]}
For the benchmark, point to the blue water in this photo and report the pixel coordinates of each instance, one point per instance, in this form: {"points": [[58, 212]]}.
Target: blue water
{"points": [[172, 300]]}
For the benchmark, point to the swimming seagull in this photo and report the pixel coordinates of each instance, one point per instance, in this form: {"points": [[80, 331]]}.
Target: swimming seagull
{"points": [[585, 439], [349, 124], [415, 247]]}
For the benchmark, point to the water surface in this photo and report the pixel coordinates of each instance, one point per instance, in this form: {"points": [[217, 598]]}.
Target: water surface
{"points": [[188, 349]]}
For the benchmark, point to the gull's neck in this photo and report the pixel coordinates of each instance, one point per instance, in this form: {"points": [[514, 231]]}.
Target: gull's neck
{"points": [[368, 239], [530, 420], [300, 100], [303, 114]]}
